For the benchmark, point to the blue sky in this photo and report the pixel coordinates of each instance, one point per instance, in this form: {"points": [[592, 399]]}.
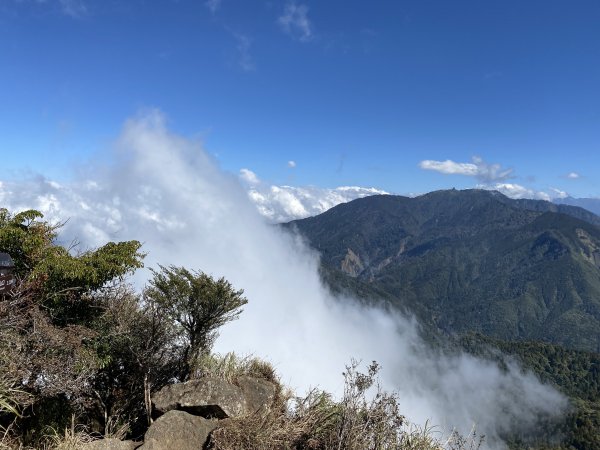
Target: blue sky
{"points": [[355, 93]]}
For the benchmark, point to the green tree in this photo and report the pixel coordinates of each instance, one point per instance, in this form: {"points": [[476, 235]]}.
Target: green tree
{"points": [[62, 280], [197, 304], [51, 326]]}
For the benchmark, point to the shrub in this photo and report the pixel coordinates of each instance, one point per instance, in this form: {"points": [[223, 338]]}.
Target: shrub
{"points": [[197, 304]]}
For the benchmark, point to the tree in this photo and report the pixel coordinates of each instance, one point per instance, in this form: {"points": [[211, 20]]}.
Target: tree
{"points": [[62, 280], [197, 304], [51, 328]]}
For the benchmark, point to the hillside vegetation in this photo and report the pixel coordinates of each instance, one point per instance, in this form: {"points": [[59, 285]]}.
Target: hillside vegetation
{"points": [[575, 373], [472, 261]]}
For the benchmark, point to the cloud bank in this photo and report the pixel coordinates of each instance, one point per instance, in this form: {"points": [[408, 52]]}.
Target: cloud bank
{"points": [[164, 190], [284, 203]]}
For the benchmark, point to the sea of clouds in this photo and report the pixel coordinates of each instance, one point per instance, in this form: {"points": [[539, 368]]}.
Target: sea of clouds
{"points": [[166, 191], [284, 203]]}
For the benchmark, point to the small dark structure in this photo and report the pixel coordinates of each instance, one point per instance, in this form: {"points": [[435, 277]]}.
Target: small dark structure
{"points": [[7, 278]]}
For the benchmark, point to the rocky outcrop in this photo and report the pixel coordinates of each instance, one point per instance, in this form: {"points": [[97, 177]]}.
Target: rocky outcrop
{"points": [[188, 412], [178, 430], [215, 398]]}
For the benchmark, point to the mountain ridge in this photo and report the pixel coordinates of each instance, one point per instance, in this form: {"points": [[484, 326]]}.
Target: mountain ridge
{"points": [[472, 261]]}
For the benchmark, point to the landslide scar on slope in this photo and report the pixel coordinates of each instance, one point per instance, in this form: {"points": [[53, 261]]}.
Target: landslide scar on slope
{"points": [[591, 247], [351, 264]]}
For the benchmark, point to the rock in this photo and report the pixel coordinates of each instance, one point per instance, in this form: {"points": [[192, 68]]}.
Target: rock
{"points": [[216, 398], [111, 444], [258, 393], [178, 430]]}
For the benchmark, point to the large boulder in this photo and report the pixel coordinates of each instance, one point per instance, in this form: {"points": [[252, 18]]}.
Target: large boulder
{"points": [[216, 398], [111, 444], [178, 430]]}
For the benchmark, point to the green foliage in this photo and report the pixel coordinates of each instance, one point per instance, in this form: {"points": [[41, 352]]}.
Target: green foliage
{"points": [[197, 304], [26, 239], [90, 270], [61, 279]]}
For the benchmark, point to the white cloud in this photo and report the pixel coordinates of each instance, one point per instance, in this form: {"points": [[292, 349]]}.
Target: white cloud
{"points": [[478, 169], [449, 167], [573, 175], [164, 190], [249, 177], [284, 203], [557, 193], [294, 21], [213, 5], [514, 190], [291, 164]]}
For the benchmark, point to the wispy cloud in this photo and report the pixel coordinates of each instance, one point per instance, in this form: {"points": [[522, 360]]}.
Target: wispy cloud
{"points": [[291, 164], [478, 168], [74, 8], [245, 60], [213, 5], [295, 22], [573, 175]]}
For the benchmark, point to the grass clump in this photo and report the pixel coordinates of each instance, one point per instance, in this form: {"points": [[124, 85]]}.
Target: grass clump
{"points": [[230, 367]]}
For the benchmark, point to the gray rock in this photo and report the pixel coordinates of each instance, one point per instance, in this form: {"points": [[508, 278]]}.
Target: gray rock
{"points": [[111, 444], [258, 394], [178, 430], [216, 398]]}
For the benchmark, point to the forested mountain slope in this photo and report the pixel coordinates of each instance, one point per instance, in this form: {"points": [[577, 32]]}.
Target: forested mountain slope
{"points": [[472, 260]]}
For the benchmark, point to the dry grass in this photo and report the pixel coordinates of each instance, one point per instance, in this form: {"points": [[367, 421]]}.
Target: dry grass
{"points": [[231, 366], [73, 438]]}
